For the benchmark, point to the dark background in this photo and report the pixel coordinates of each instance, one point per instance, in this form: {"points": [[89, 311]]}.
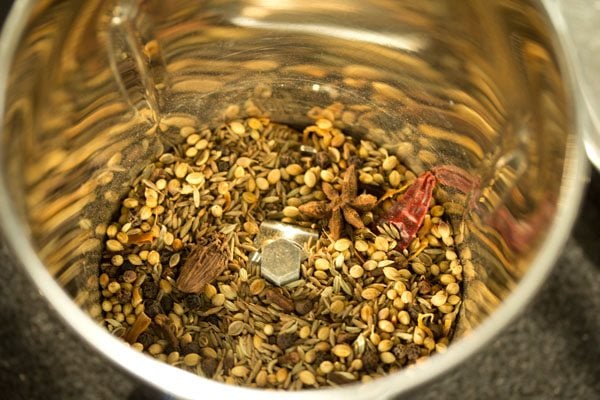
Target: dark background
{"points": [[551, 351]]}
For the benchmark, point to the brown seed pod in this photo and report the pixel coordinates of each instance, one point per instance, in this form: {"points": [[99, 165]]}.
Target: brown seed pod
{"points": [[202, 266], [274, 296]]}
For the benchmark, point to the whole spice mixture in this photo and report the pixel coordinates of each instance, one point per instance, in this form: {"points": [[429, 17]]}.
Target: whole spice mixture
{"points": [[379, 289]]}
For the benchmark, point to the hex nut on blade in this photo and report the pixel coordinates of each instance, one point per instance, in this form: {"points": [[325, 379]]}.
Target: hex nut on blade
{"points": [[280, 262]]}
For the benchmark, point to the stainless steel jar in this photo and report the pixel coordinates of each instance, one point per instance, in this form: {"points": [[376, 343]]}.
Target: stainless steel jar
{"points": [[88, 90]]}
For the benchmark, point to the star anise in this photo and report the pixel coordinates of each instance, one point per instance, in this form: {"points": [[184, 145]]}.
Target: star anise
{"points": [[345, 206]]}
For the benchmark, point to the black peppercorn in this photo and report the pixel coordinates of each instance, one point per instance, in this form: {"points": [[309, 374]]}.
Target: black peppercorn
{"points": [[370, 360], [145, 339], [223, 165], [286, 340], [190, 348], [209, 366], [127, 266], [408, 352], [152, 308], [212, 319], [193, 301], [123, 296], [322, 356], [166, 304], [169, 348], [149, 290]]}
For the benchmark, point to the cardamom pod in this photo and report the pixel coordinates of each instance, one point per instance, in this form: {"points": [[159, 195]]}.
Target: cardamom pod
{"points": [[202, 266]]}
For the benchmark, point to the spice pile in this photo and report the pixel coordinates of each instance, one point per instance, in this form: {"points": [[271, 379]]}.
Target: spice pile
{"points": [[178, 283]]}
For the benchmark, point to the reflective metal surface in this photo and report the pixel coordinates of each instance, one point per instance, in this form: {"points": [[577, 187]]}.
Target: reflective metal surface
{"points": [[576, 20], [94, 90], [282, 248]]}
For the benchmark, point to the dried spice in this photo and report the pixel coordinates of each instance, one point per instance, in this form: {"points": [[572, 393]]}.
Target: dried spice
{"points": [[408, 352], [202, 266], [168, 329], [166, 303], [142, 322], [367, 301], [141, 238], [291, 358], [223, 166], [406, 215], [345, 206], [123, 296], [303, 307], [370, 360], [152, 308], [149, 290], [209, 366], [145, 339], [190, 348], [286, 340], [193, 302], [275, 296], [322, 159], [323, 356], [228, 362]]}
